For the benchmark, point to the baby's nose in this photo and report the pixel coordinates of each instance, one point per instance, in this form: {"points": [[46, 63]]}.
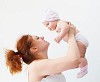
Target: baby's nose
{"points": [[49, 28], [42, 37]]}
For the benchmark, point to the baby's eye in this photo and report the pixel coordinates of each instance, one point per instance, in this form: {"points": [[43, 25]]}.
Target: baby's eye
{"points": [[47, 24]]}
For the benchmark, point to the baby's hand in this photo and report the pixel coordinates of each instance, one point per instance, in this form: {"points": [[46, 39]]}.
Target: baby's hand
{"points": [[57, 39]]}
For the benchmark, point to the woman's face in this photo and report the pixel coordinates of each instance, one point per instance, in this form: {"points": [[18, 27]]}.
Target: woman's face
{"points": [[40, 43], [50, 25]]}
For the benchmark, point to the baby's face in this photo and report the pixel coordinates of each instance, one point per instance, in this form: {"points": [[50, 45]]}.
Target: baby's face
{"points": [[51, 25]]}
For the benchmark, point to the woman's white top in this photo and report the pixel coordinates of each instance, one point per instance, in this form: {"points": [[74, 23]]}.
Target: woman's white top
{"points": [[54, 78]]}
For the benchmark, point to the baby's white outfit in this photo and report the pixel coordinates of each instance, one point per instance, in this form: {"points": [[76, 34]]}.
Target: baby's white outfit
{"points": [[54, 78], [81, 38]]}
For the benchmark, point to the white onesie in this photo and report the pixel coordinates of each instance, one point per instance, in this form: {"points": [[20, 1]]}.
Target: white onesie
{"points": [[81, 38]]}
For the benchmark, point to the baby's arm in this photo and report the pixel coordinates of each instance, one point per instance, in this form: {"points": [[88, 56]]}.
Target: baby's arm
{"points": [[64, 30]]}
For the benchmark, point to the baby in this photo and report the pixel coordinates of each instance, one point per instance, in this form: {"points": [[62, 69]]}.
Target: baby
{"points": [[52, 21]]}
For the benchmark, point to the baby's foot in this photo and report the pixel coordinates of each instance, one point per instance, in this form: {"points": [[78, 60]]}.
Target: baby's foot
{"points": [[83, 71]]}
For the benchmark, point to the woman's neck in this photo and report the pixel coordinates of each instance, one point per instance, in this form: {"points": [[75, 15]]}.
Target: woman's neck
{"points": [[42, 55]]}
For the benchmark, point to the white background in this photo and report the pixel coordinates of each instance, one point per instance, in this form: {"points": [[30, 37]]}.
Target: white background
{"points": [[19, 17]]}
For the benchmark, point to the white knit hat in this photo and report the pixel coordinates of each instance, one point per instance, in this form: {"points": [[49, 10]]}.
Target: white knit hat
{"points": [[50, 15]]}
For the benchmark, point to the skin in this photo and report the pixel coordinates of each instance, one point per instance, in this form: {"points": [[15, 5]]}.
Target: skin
{"points": [[43, 67], [62, 28]]}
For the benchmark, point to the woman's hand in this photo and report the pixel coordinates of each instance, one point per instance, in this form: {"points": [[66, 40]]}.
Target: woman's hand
{"points": [[72, 29]]}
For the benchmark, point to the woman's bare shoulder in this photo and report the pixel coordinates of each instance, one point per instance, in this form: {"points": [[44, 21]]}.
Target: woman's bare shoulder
{"points": [[37, 64]]}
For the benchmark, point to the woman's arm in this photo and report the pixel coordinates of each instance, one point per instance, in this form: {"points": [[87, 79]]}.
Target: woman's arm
{"points": [[70, 61]]}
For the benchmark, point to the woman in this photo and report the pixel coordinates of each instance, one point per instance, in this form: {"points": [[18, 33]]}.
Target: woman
{"points": [[34, 51]]}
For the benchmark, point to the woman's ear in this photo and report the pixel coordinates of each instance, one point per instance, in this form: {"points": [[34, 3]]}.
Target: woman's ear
{"points": [[33, 49]]}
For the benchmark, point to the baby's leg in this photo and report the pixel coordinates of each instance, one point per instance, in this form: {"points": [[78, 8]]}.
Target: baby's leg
{"points": [[83, 65], [83, 68], [82, 51]]}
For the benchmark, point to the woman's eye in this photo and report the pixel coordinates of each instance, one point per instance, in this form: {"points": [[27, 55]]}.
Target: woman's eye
{"points": [[37, 37]]}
